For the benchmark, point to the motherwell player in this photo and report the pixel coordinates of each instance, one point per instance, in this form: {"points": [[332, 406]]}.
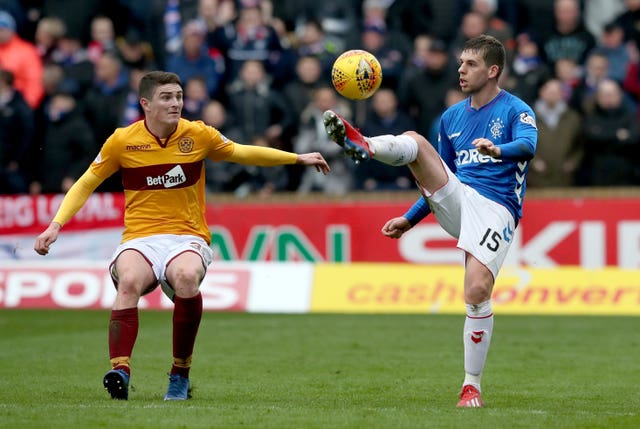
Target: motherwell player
{"points": [[166, 238]]}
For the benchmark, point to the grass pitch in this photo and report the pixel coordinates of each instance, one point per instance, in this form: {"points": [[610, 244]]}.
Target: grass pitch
{"points": [[322, 371]]}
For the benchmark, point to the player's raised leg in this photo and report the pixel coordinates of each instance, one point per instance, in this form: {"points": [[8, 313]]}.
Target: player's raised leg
{"points": [[411, 149]]}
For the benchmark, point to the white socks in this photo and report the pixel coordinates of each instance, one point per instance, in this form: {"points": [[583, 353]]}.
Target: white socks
{"points": [[476, 337], [394, 150]]}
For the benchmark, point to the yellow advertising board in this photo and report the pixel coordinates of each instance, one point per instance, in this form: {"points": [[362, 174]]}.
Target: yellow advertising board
{"points": [[409, 288]]}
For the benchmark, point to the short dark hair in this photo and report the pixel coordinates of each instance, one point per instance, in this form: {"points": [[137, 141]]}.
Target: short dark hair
{"points": [[491, 49], [154, 79]]}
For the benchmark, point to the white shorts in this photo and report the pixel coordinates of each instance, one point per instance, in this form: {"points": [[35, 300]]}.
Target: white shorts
{"points": [[483, 227], [159, 251]]}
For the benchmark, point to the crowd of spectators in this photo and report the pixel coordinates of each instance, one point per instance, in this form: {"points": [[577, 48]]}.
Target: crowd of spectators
{"points": [[259, 71]]}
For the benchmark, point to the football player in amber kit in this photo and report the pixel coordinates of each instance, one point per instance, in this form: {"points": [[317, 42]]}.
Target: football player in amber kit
{"points": [[166, 237]]}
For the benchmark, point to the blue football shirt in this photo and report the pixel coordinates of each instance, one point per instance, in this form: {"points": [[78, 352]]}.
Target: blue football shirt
{"points": [[510, 124]]}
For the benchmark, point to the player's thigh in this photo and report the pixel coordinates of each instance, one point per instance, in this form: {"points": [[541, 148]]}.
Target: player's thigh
{"points": [[132, 270], [185, 272], [427, 168]]}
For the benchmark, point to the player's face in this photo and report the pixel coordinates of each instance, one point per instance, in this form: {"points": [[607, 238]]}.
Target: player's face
{"points": [[165, 106], [474, 72]]}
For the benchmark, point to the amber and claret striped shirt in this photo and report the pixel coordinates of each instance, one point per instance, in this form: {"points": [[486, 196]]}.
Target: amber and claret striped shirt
{"points": [[163, 180]]}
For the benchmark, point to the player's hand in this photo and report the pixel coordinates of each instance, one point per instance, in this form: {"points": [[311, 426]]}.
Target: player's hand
{"points": [[315, 159], [394, 228], [47, 238], [486, 147]]}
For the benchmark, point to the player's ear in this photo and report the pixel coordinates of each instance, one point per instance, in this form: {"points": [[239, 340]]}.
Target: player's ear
{"points": [[144, 103], [493, 71]]}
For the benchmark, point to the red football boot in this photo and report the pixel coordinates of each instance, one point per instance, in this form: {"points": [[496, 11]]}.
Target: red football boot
{"points": [[350, 138], [470, 397]]}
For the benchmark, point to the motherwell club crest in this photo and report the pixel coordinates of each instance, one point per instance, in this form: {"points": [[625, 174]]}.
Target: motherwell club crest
{"points": [[185, 144]]}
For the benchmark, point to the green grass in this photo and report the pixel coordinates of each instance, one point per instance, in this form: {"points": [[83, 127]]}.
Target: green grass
{"points": [[322, 371]]}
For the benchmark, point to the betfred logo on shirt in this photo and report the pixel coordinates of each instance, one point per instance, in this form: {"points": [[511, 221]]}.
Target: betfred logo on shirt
{"points": [[171, 178]]}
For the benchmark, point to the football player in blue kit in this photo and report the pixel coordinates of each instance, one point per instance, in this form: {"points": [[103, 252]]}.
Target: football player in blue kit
{"points": [[474, 184]]}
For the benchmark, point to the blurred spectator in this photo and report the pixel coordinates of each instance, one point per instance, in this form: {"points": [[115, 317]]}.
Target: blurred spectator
{"points": [[76, 14], [611, 140], [222, 176], [216, 13], [193, 59], [611, 43], [132, 109], [298, 92], [21, 58], [528, 70], [631, 82], [533, 17], [196, 97], [71, 55], [629, 20], [570, 38], [313, 41], [392, 57], [136, 53], [473, 24], [424, 92], [248, 38], [261, 181], [103, 37], [67, 147], [385, 117], [256, 107], [595, 71], [16, 136], [105, 102], [559, 152], [416, 17], [48, 31], [105, 105], [598, 14], [454, 95], [569, 73], [312, 137], [496, 27], [339, 19]]}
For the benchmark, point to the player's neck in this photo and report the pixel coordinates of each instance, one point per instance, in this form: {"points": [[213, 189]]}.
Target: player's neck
{"points": [[484, 96], [160, 130]]}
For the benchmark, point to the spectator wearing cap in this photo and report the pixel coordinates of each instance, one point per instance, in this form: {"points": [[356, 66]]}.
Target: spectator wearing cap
{"points": [[21, 58]]}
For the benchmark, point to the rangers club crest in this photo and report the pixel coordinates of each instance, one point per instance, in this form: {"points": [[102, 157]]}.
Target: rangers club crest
{"points": [[185, 144], [496, 128]]}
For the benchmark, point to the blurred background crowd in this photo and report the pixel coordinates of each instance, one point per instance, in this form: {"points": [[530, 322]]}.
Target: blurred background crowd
{"points": [[259, 71]]}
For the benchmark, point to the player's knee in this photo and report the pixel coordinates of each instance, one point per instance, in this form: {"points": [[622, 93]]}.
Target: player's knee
{"points": [[477, 293], [419, 138], [186, 282]]}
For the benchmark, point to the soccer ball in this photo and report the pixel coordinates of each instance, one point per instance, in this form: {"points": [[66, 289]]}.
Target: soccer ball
{"points": [[356, 74]]}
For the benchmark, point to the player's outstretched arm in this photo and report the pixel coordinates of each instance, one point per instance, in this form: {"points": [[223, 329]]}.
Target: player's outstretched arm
{"points": [[268, 157], [394, 228], [315, 159]]}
